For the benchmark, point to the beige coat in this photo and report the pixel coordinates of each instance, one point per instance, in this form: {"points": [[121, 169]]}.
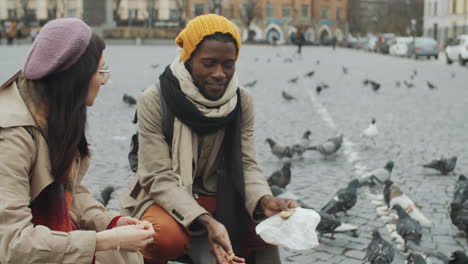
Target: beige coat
{"points": [[156, 182], [24, 173]]}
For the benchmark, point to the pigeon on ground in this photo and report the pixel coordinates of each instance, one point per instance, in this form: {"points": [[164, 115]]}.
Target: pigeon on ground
{"points": [[288, 60], [287, 96], [302, 146], [268, 60], [305, 141], [293, 80], [366, 82], [461, 190], [408, 84], [414, 258], [377, 176], [318, 89], [133, 154], [154, 66], [250, 84], [256, 59], [345, 70], [459, 217], [379, 250], [309, 74], [398, 84], [375, 86], [129, 100], [324, 85], [407, 227], [443, 165], [415, 72], [386, 192], [281, 177], [317, 62], [371, 131], [329, 147], [431, 85], [343, 200], [279, 150], [106, 195], [397, 197], [453, 75], [458, 257]]}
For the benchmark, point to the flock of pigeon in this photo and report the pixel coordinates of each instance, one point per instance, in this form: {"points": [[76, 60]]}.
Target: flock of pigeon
{"points": [[410, 221]]}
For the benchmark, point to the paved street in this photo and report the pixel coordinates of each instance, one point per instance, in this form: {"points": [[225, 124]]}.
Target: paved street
{"points": [[416, 125]]}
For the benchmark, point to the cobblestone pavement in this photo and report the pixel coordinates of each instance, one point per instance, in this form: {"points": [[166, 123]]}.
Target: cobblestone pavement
{"points": [[416, 125]]}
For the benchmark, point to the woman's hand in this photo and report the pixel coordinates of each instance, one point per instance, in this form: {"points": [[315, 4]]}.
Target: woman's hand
{"points": [[126, 238], [126, 220], [272, 206]]}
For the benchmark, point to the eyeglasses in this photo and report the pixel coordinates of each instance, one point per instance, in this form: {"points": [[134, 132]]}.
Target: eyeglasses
{"points": [[106, 74]]}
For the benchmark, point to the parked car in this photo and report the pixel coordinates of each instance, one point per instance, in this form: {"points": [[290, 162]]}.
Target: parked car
{"points": [[424, 47], [400, 47], [351, 42], [362, 42], [372, 44], [457, 50], [383, 43]]}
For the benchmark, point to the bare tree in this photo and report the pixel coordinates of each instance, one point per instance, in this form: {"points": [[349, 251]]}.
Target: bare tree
{"points": [[248, 13], [24, 7], [116, 10], [215, 6]]}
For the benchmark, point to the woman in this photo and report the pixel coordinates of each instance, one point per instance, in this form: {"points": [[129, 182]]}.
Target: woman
{"points": [[46, 214]]}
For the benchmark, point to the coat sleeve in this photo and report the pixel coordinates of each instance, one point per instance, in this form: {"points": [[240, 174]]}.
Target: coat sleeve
{"points": [[155, 172], [255, 184], [20, 240], [90, 214]]}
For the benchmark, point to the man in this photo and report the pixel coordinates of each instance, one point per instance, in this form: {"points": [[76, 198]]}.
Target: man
{"points": [[203, 177]]}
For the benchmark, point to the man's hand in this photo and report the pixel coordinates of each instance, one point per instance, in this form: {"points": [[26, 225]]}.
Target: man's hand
{"points": [[125, 220], [272, 206], [219, 240]]}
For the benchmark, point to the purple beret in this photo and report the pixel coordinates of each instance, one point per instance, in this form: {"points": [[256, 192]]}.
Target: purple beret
{"points": [[58, 46]]}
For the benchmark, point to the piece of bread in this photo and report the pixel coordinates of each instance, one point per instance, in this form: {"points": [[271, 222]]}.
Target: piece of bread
{"points": [[286, 214]]}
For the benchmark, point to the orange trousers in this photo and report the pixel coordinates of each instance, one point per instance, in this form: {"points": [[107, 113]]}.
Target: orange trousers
{"points": [[172, 241]]}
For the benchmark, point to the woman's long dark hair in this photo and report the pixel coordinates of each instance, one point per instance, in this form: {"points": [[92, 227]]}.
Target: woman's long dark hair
{"points": [[66, 93]]}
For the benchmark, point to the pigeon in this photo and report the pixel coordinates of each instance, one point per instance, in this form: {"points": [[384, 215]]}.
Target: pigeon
{"points": [[458, 257], [129, 100], [318, 89], [397, 197], [345, 70], [288, 60], [154, 66], [324, 85], [256, 59], [329, 147], [431, 85], [443, 165], [105, 196], [293, 80], [366, 82], [378, 176], [461, 190], [281, 177], [327, 225], [317, 62], [251, 84], [408, 228], [269, 60], [453, 75], [412, 77], [279, 150], [386, 192], [398, 84], [459, 217], [415, 72], [305, 141], [408, 84], [379, 250], [375, 86], [309, 74], [343, 200], [133, 154], [414, 258], [371, 132], [287, 96]]}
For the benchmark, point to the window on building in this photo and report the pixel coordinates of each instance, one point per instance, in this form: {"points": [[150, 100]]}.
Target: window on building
{"points": [[31, 13], [132, 14], [305, 10], [71, 12], [286, 10], [174, 14], [51, 13], [199, 9], [156, 14], [270, 10], [324, 14], [11, 14], [339, 16]]}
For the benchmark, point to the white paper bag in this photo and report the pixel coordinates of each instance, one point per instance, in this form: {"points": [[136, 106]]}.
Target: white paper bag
{"points": [[297, 232]]}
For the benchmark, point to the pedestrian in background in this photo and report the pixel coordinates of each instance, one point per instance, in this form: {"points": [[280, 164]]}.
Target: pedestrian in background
{"points": [[300, 40], [201, 181], [334, 42], [47, 215]]}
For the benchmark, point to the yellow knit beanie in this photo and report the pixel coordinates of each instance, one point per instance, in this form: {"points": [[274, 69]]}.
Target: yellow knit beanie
{"points": [[202, 26]]}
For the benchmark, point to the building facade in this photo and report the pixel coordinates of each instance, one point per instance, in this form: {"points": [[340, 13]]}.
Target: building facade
{"points": [[445, 19]]}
